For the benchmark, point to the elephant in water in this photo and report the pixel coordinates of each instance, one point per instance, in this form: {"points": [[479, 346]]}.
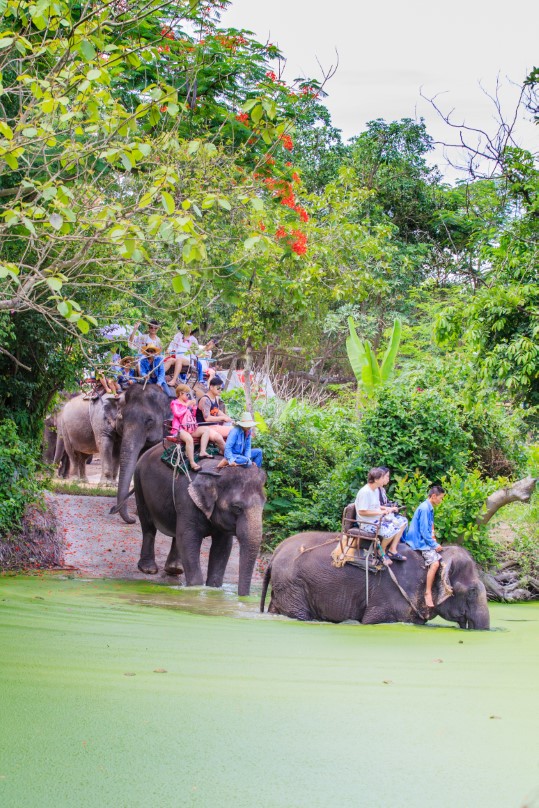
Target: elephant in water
{"points": [[305, 585], [218, 503]]}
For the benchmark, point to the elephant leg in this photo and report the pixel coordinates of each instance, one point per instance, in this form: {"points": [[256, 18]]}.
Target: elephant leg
{"points": [[105, 446], [146, 561], [221, 547], [173, 563], [80, 466], [189, 542]]}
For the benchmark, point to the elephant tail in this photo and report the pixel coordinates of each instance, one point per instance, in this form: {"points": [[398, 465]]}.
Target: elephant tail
{"points": [[267, 579], [116, 508]]}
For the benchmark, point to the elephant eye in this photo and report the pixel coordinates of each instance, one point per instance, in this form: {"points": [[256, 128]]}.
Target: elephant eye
{"points": [[237, 507]]}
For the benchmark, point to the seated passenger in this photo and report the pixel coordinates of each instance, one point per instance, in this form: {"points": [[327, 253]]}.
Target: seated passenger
{"points": [[138, 342], [178, 350], [127, 375], [369, 510], [151, 366], [212, 409], [421, 536], [185, 426], [393, 514], [238, 451], [204, 358]]}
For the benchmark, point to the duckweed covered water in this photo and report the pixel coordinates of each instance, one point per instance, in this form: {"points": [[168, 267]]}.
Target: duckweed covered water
{"points": [[127, 694]]}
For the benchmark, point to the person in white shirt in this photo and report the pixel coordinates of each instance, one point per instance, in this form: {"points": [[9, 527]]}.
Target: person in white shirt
{"points": [[370, 512], [138, 342]]}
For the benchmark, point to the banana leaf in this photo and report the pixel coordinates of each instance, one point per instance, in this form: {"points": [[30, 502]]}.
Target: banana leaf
{"points": [[371, 371], [388, 362], [355, 351]]}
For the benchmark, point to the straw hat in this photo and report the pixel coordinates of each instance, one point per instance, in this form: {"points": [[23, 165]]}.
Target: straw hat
{"points": [[246, 420], [127, 360], [150, 348]]}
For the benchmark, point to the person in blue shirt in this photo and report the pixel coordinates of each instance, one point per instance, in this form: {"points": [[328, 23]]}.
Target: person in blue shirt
{"points": [[421, 536], [151, 365], [238, 451]]}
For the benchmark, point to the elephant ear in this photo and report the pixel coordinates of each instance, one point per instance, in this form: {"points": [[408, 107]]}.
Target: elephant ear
{"points": [[203, 492], [443, 588]]}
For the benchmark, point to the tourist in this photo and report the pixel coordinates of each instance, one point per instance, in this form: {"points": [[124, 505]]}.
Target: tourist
{"points": [[212, 409], [370, 512], [421, 536], [151, 367], [393, 516], [138, 341], [184, 425]]}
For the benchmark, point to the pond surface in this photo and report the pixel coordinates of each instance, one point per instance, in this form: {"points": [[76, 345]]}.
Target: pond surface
{"points": [[124, 694]]}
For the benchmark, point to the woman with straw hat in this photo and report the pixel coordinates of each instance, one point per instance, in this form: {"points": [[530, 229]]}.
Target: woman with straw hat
{"points": [[238, 451]]}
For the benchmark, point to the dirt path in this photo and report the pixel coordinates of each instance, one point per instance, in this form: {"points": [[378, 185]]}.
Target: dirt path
{"points": [[103, 546]]}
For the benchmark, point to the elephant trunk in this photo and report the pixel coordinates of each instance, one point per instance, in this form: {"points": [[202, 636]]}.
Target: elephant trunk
{"points": [[133, 440], [249, 537], [478, 616]]}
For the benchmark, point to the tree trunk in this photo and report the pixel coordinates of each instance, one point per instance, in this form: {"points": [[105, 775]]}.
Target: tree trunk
{"points": [[520, 491], [247, 373]]}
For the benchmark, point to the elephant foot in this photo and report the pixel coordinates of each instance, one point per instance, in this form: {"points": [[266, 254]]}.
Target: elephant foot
{"points": [[173, 569], [148, 567]]}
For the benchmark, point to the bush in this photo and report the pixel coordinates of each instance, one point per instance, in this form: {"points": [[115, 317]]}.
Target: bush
{"points": [[301, 449], [496, 438], [19, 485], [409, 430]]}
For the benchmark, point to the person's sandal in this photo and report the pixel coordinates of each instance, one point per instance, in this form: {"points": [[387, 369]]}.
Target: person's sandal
{"points": [[395, 556], [196, 467]]}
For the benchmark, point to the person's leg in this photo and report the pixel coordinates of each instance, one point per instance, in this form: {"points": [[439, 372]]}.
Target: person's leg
{"points": [[189, 448], [204, 434], [256, 456], [178, 368], [218, 439], [431, 574], [394, 543]]}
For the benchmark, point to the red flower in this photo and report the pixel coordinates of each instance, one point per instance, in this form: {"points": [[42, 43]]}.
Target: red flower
{"points": [[261, 225], [163, 108], [271, 75], [295, 177], [287, 142], [242, 117], [288, 164], [299, 246], [168, 33], [280, 232], [303, 215], [288, 201]]}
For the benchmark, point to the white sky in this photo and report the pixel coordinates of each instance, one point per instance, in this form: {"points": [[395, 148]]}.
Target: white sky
{"points": [[389, 49]]}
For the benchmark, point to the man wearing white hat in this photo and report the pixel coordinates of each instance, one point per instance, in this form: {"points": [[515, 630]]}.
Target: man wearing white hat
{"points": [[238, 451]]}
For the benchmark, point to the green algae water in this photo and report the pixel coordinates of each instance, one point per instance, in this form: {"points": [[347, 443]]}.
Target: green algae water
{"points": [[128, 694]]}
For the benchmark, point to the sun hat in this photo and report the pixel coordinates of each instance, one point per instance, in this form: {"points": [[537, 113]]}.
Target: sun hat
{"points": [[150, 348], [246, 420], [127, 360]]}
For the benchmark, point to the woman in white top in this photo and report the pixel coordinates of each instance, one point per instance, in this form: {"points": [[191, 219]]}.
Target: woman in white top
{"points": [[369, 510]]}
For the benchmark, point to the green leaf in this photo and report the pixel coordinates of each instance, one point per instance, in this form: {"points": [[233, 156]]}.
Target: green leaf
{"points": [[168, 203], [355, 351], [370, 372], [83, 326], [64, 308], [6, 41], [6, 131], [29, 131], [87, 50], [181, 283], [145, 200], [193, 146], [54, 283], [92, 75], [257, 113], [388, 362], [224, 203]]}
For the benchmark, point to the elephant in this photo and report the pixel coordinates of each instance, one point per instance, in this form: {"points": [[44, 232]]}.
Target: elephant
{"points": [[86, 427], [305, 585], [218, 503], [140, 423]]}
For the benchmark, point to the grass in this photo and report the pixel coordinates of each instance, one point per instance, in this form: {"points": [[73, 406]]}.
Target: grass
{"points": [[80, 489]]}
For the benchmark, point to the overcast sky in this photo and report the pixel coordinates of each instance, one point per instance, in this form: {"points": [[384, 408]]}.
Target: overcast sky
{"points": [[388, 50]]}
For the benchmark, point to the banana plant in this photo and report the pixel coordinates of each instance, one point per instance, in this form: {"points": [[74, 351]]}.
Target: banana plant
{"points": [[369, 374]]}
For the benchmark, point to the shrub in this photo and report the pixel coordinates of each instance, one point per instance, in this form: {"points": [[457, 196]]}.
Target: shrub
{"points": [[409, 430], [19, 485]]}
